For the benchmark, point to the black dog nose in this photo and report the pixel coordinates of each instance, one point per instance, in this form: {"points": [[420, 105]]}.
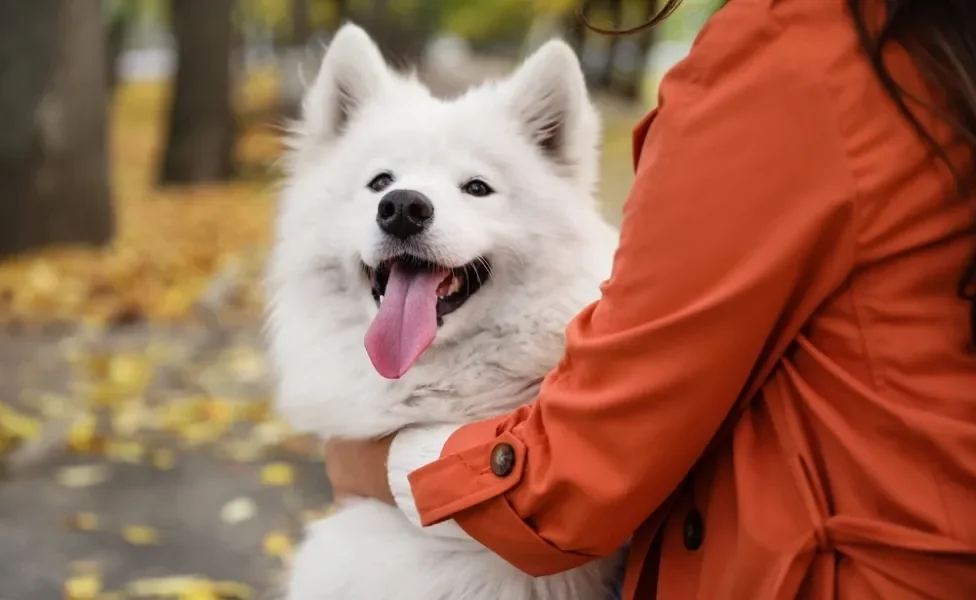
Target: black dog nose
{"points": [[402, 213]]}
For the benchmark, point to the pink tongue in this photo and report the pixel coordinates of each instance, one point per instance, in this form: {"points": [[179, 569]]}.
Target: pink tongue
{"points": [[406, 323]]}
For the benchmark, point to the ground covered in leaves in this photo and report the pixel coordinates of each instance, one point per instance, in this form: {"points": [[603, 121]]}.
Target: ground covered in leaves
{"points": [[139, 457], [138, 454], [147, 465]]}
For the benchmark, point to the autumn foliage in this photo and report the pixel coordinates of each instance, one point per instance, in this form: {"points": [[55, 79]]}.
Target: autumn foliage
{"points": [[172, 243]]}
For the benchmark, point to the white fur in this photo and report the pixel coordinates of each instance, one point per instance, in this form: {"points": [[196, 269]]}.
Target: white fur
{"points": [[549, 250]]}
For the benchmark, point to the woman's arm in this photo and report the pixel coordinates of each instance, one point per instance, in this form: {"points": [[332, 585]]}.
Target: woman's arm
{"points": [[739, 223]]}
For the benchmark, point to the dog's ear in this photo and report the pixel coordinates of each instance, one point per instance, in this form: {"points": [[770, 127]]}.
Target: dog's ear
{"points": [[547, 94], [353, 72]]}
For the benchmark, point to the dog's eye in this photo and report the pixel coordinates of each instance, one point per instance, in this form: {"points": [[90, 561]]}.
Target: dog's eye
{"points": [[477, 187], [380, 182]]}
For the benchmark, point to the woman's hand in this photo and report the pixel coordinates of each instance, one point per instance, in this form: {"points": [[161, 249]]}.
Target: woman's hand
{"points": [[358, 468]]}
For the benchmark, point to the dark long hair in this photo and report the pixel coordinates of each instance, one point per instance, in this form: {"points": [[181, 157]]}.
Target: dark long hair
{"points": [[940, 35]]}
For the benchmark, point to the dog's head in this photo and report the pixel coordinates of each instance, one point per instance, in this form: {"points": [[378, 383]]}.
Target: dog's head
{"points": [[438, 214]]}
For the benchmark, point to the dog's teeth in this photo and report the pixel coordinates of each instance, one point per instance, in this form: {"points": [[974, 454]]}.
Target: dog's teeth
{"points": [[455, 286]]}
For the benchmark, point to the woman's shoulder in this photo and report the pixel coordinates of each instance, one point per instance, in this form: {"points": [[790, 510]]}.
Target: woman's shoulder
{"points": [[753, 48], [747, 39], [808, 53]]}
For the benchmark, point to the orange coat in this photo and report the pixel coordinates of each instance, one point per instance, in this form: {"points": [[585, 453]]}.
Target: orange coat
{"points": [[788, 265]]}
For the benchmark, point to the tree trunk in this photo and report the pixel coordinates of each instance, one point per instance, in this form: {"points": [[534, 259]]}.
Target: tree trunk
{"points": [[200, 141], [118, 26], [301, 23], [54, 184]]}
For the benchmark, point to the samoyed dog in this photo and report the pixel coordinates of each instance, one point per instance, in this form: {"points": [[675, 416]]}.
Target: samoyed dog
{"points": [[429, 255]]}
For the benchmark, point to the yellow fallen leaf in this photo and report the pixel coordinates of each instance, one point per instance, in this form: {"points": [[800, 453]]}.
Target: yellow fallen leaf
{"points": [[242, 451], [159, 351], [161, 586], [81, 476], [233, 590], [199, 590], [43, 278], [238, 510], [18, 425], [102, 394], [257, 411], [53, 406], [189, 588], [129, 451], [85, 587], [163, 459], [130, 372], [176, 301], [246, 362], [277, 474], [277, 543], [181, 412], [129, 418], [271, 432], [81, 435], [220, 410], [140, 535], [198, 434], [97, 365], [83, 522]]}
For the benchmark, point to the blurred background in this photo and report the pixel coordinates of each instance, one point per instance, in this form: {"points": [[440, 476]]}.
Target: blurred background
{"points": [[138, 158]]}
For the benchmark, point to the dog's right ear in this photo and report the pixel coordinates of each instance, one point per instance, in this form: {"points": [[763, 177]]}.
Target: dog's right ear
{"points": [[547, 94], [353, 72]]}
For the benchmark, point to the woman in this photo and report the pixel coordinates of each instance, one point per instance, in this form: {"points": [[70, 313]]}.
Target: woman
{"points": [[775, 397]]}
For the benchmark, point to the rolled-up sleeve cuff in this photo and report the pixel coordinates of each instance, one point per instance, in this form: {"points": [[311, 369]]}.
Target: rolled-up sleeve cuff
{"points": [[462, 477], [461, 485]]}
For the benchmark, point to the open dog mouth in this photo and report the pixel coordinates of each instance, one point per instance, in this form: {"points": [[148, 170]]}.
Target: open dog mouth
{"points": [[453, 289], [413, 296]]}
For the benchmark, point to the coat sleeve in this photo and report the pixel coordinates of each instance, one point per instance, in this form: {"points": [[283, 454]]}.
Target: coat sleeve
{"points": [[741, 212], [411, 449]]}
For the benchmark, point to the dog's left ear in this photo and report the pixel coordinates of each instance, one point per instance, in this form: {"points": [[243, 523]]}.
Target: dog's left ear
{"points": [[352, 74], [548, 96]]}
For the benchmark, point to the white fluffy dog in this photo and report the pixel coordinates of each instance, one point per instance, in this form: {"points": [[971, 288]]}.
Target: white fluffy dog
{"points": [[429, 255]]}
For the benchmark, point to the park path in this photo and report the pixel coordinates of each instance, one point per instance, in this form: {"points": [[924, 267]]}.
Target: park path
{"points": [[185, 489]]}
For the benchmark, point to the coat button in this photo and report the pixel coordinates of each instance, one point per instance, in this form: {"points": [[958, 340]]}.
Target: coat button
{"points": [[502, 459], [693, 532]]}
